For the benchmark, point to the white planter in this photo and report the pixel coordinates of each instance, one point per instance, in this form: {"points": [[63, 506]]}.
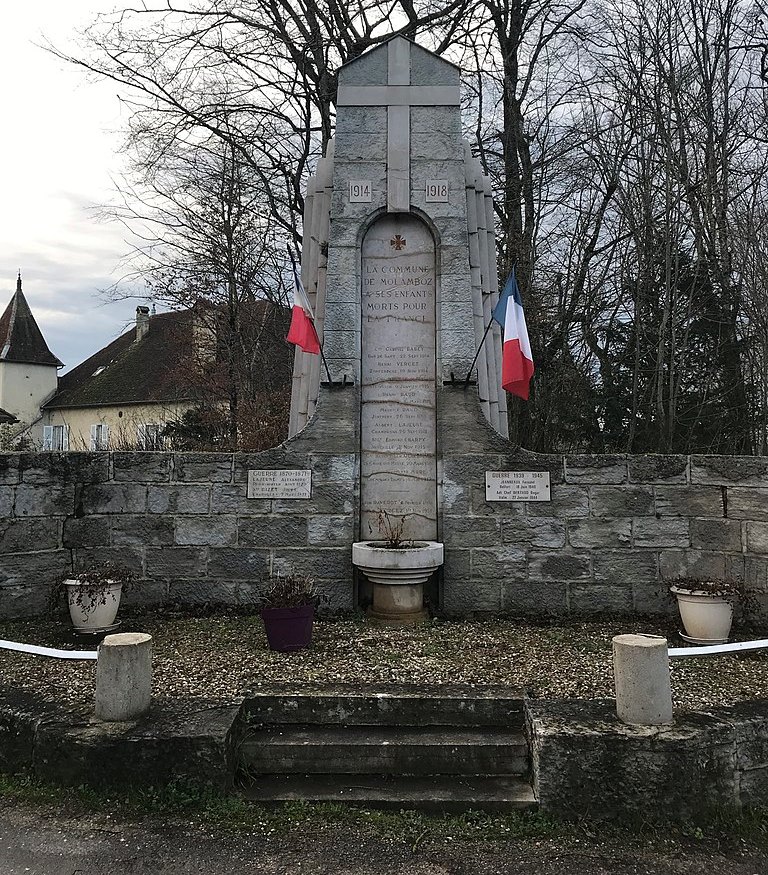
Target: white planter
{"points": [[706, 618], [95, 608], [398, 576]]}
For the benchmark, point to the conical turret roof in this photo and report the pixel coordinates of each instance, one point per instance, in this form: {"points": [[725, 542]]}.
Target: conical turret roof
{"points": [[20, 338]]}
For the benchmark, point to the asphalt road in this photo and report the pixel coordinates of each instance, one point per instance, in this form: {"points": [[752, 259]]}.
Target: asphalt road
{"points": [[49, 841]]}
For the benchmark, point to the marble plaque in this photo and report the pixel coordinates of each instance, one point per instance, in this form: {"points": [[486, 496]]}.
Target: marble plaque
{"points": [[398, 463], [517, 486], [436, 191], [360, 191], [280, 483]]}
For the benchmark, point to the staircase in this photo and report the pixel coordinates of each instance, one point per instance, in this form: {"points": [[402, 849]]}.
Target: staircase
{"points": [[438, 748]]}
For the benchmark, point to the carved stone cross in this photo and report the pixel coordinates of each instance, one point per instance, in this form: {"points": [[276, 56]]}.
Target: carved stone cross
{"points": [[398, 95]]}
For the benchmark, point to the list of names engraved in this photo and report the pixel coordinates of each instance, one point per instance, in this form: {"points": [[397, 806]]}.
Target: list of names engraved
{"points": [[398, 466]]}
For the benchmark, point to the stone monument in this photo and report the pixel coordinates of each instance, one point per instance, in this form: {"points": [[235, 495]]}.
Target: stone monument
{"points": [[399, 263]]}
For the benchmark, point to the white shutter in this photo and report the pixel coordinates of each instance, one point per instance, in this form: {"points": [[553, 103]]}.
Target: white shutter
{"points": [[104, 437], [47, 437], [141, 435], [65, 438], [94, 438]]}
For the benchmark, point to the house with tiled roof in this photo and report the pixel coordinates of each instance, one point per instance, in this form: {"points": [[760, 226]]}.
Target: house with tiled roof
{"points": [[28, 369]]}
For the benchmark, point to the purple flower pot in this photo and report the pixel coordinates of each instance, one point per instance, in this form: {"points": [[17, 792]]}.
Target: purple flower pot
{"points": [[288, 628]]}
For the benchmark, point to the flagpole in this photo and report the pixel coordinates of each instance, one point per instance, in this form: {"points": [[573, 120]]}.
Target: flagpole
{"points": [[469, 372], [312, 321]]}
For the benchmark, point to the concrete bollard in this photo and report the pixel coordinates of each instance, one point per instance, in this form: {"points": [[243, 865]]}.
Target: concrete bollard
{"points": [[124, 676], [641, 675]]}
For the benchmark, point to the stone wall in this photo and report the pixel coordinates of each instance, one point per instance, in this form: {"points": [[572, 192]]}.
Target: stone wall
{"points": [[182, 521], [587, 764], [616, 528]]}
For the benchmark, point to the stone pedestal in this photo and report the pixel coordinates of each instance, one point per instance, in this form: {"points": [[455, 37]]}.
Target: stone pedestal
{"points": [[124, 676], [641, 675]]}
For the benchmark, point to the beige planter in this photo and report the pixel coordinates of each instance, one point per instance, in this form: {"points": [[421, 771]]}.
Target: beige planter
{"points": [[92, 608], [398, 576], [706, 618]]}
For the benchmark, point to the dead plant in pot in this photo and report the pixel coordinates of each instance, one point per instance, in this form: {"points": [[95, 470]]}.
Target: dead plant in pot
{"points": [[706, 607], [288, 611], [93, 595]]}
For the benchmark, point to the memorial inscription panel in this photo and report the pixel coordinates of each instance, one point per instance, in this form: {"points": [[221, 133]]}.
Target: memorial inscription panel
{"points": [[398, 464]]}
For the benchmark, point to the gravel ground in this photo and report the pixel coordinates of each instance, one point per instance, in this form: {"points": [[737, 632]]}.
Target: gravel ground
{"points": [[222, 657]]}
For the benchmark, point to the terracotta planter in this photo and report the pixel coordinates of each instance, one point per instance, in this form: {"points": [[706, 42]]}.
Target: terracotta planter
{"points": [[288, 628], [92, 608], [398, 575], [706, 618]]}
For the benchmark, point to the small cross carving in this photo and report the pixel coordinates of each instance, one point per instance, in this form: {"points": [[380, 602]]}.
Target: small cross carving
{"points": [[398, 242]]}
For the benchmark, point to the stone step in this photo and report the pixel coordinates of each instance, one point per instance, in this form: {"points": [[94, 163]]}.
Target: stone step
{"points": [[382, 750], [437, 793], [401, 705]]}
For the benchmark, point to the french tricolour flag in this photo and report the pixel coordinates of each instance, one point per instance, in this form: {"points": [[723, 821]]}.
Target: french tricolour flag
{"points": [[302, 331], [516, 358]]}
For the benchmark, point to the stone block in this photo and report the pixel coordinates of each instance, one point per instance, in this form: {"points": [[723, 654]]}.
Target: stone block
{"points": [[691, 563], [498, 563], [427, 70], [333, 563], [756, 574], [747, 504], [728, 470], [24, 600], [113, 498], [567, 502], [176, 561], [89, 531], [471, 531], [597, 598], [250, 592], [456, 497], [64, 468], [533, 532], [271, 531], [457, 564], [328, 531], [360, 147], [181, 499], [558, 566], [18, 535], [621, 501], [534, 599], [233, 498], [653, 598], [50, 500], [499, 509], [718, 535], [757, 537], [138, 530], [361, 120], [692, 501], [327, 498], [462, 597], [621, 566], [131, 558], [333, 468], [42, 568], [6, 501], [9, 468], [202, 531], [202, 467], [596, 469], [600, 533], [658, 469], [661, 533], [145, 593], [238, 562], [142, 467], [641, 677], [204, 591], [123, 677], [337, 596], [467, 468]]}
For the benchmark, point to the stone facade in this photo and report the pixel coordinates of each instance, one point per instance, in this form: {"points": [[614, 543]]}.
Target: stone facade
{"points": [[587, 764], [617, 526]]}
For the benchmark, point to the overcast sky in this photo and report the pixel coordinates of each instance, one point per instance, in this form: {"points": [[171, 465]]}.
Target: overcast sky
{"points": [[58, 150]]}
